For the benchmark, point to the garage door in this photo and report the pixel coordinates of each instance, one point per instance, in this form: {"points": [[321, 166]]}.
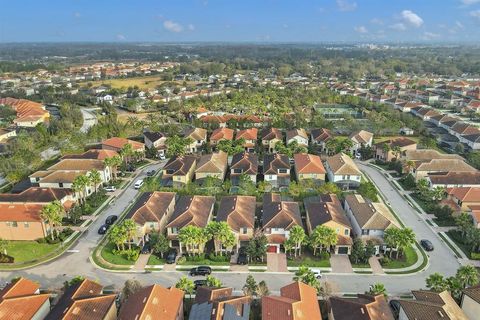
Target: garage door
{"points": [[342, 250], [272, 249]]}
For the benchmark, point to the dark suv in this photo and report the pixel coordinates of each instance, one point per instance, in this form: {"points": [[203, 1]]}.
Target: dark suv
{"points": [[171, 256], [242, 256], [201, 271], [111, 219], [426, 244]]}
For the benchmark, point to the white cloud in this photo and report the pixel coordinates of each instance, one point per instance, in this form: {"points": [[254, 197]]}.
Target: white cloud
{"points": [[475, 14], [430, 36], [398, 27], [360, 29], [376, 21], [411, 18], [344, 5], [191, 27], [459, 25], [172, 26], [121, 37], [469, 2]]}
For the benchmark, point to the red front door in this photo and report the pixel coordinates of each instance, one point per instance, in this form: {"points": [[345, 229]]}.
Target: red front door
{"points": [[272, 249]]}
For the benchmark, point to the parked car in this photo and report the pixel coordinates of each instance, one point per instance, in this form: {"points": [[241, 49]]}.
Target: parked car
{"points": [[111, 219], [103, 229], [200, 271], [242, 256], [150, 173], [317, 273], [395, 306], [138, 184], [171, 256], [162, 157], [146, 248], [110, 188], [199, 283], [426, 244]]}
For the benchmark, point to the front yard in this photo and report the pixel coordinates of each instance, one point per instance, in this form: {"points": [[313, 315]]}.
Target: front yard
{"points": [[30, 251], [155, 260], [408, 259], [109, 256], [208, 260], [309, 260]]}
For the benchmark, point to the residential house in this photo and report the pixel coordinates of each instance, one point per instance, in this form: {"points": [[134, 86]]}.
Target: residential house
{"points": [[431, 305], [278, 217], [97, 154], [369, 219], [153, 302], [453, 179], [270, 137], [327, 210], [116, 144], [440, 166], [474, 212], [189, 211], [21, 300], [464, 197], [361, 139], [298, 135], [84, 300], [151, 212], [6, 134], [319, 138], [35, 195], [250, 137], [156, 140], [219, 304], [221, 134], [198, 137], [212, 165], [276, 170], [297, 301], [179, 170], [22, 221], [392, 148], [244, 164], [342, 171], [471, 140], [364, 306], [28, 113], [239, 213], [309, 167], [471, 302]]}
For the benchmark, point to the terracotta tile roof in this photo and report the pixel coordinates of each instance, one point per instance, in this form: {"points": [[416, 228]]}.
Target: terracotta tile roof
{"points": [[297, 301], [247, 134], [321, 135], [465, 194], [151, 207], [211, 118], [98, 154], [196, 134], [36, 195], [465, 129], [364, 307], [361, 136], [455, 178], [237, 211], [445, 165], [423, 155], [90, 308], [180, 165], [308, 164], [274, 162], [206, 294], [213, 163], [430, 305], [341, 164], [400, 142], [325, 208], [192, 210], [25, 212], [78, 164], [271, 133], [20, 287], [370, 215], [219, 304], [118, 143], [280, 214], [20, 300], [246, 161], [222, 134], [296, 132], [62, 176], [26, 110], [153, 302]]}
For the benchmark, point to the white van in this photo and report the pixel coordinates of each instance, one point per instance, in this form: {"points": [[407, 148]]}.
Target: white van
{"points": [[138, 184], [317, 273]]}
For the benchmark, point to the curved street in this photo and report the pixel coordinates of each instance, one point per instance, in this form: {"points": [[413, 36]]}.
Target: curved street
{"points": [[54, 273]]}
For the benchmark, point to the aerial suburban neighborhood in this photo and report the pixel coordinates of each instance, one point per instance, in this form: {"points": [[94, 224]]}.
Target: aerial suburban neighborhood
{"points": [[243, 168]]}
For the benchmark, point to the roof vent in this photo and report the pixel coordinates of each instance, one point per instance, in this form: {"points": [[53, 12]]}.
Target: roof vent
{"points": [[440, 314], [362, 311]]}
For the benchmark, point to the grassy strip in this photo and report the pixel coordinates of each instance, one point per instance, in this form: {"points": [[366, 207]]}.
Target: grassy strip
{"points": [[455, 252], [309, 262], [117, 259], [363, 272], [419, 268]]}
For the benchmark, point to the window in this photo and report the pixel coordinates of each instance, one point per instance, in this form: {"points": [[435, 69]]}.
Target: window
{"points": [[237, 170], [26, 225], [152, 225], [347, 232], [174, 230], [343, 177], [244, 230], [282, 170], [60, 185], [14, 224], [348, 177], [170, 171], [365, 232]]}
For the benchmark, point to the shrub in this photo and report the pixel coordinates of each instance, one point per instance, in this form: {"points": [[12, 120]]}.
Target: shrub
{"points": [[384, 260], [200, 257], [41, 240], [219, 258], [181, 260], [475, 255], [132, 254], [6, 258]]}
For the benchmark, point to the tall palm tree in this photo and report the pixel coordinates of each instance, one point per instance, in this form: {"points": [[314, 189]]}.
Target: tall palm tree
{"points": [[409, 165], [52, 213], [436, 282], [80, 184], [186, 285], [187, 237], [377, 288], [406, 238], [467, 275], [130, 230], [297, 234], [126, 152], [96, 178]]}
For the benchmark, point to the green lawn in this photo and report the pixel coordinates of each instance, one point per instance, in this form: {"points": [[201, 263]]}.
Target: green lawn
{"points": [[23, 251], [155, 260], [408, 258], [205, 261], [117, 259], [309, 261]]}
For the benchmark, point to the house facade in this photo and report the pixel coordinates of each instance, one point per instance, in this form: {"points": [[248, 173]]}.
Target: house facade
{"points": [[199, 139], [276, 170], [244, 164], [212, 165], [342, 171], [309, 167], [179, 171]]}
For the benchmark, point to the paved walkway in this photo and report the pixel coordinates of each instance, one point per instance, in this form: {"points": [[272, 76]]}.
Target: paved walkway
{"points": [[276, 262], [238, 268], [340, 263], [141, 262], [375, 265], [169, 267]]}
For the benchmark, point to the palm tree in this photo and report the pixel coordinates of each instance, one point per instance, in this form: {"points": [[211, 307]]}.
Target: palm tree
{"points": [[187, 237], [221, 233], [396, 151], [409, 165], [213, 282], [262, 290], [3, 246], [186, 285], [130, 231], [464, 222], [467, 275], [95, 178], [436, 282], [391, 238], [386, 149], [305, 275], [377, 288], [405, 239], [118, 236], [297, 234], [52, 213], [126, 152], [80, 183]]}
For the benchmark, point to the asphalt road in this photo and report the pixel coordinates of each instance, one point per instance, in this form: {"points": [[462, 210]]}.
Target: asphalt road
{"points": [[53, 274]]}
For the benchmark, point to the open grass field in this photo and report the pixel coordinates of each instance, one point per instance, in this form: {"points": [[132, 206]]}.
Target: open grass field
{"points": [[381, 139], [146, 82], [23, 251]]}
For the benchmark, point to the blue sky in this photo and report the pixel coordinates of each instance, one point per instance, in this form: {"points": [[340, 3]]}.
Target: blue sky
{"points": [[240, 20]]}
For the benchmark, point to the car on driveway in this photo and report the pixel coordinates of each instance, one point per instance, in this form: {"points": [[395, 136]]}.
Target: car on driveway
{"points": [[111, 219], [242, 256], [200, 271], [199, 283], [171, 256], [146, 248], [110, 188], [426, 244], [103, 229]]}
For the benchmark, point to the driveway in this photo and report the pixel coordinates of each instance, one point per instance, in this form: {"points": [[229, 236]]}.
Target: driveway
{"points": [[340, 263], [276, 262]]}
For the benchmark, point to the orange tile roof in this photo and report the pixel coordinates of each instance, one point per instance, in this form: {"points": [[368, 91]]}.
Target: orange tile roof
{"points": [[308, 164], [26, 110], [118, 143], [465, 194], [247, 134], [222, 133], [24, 212]]}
